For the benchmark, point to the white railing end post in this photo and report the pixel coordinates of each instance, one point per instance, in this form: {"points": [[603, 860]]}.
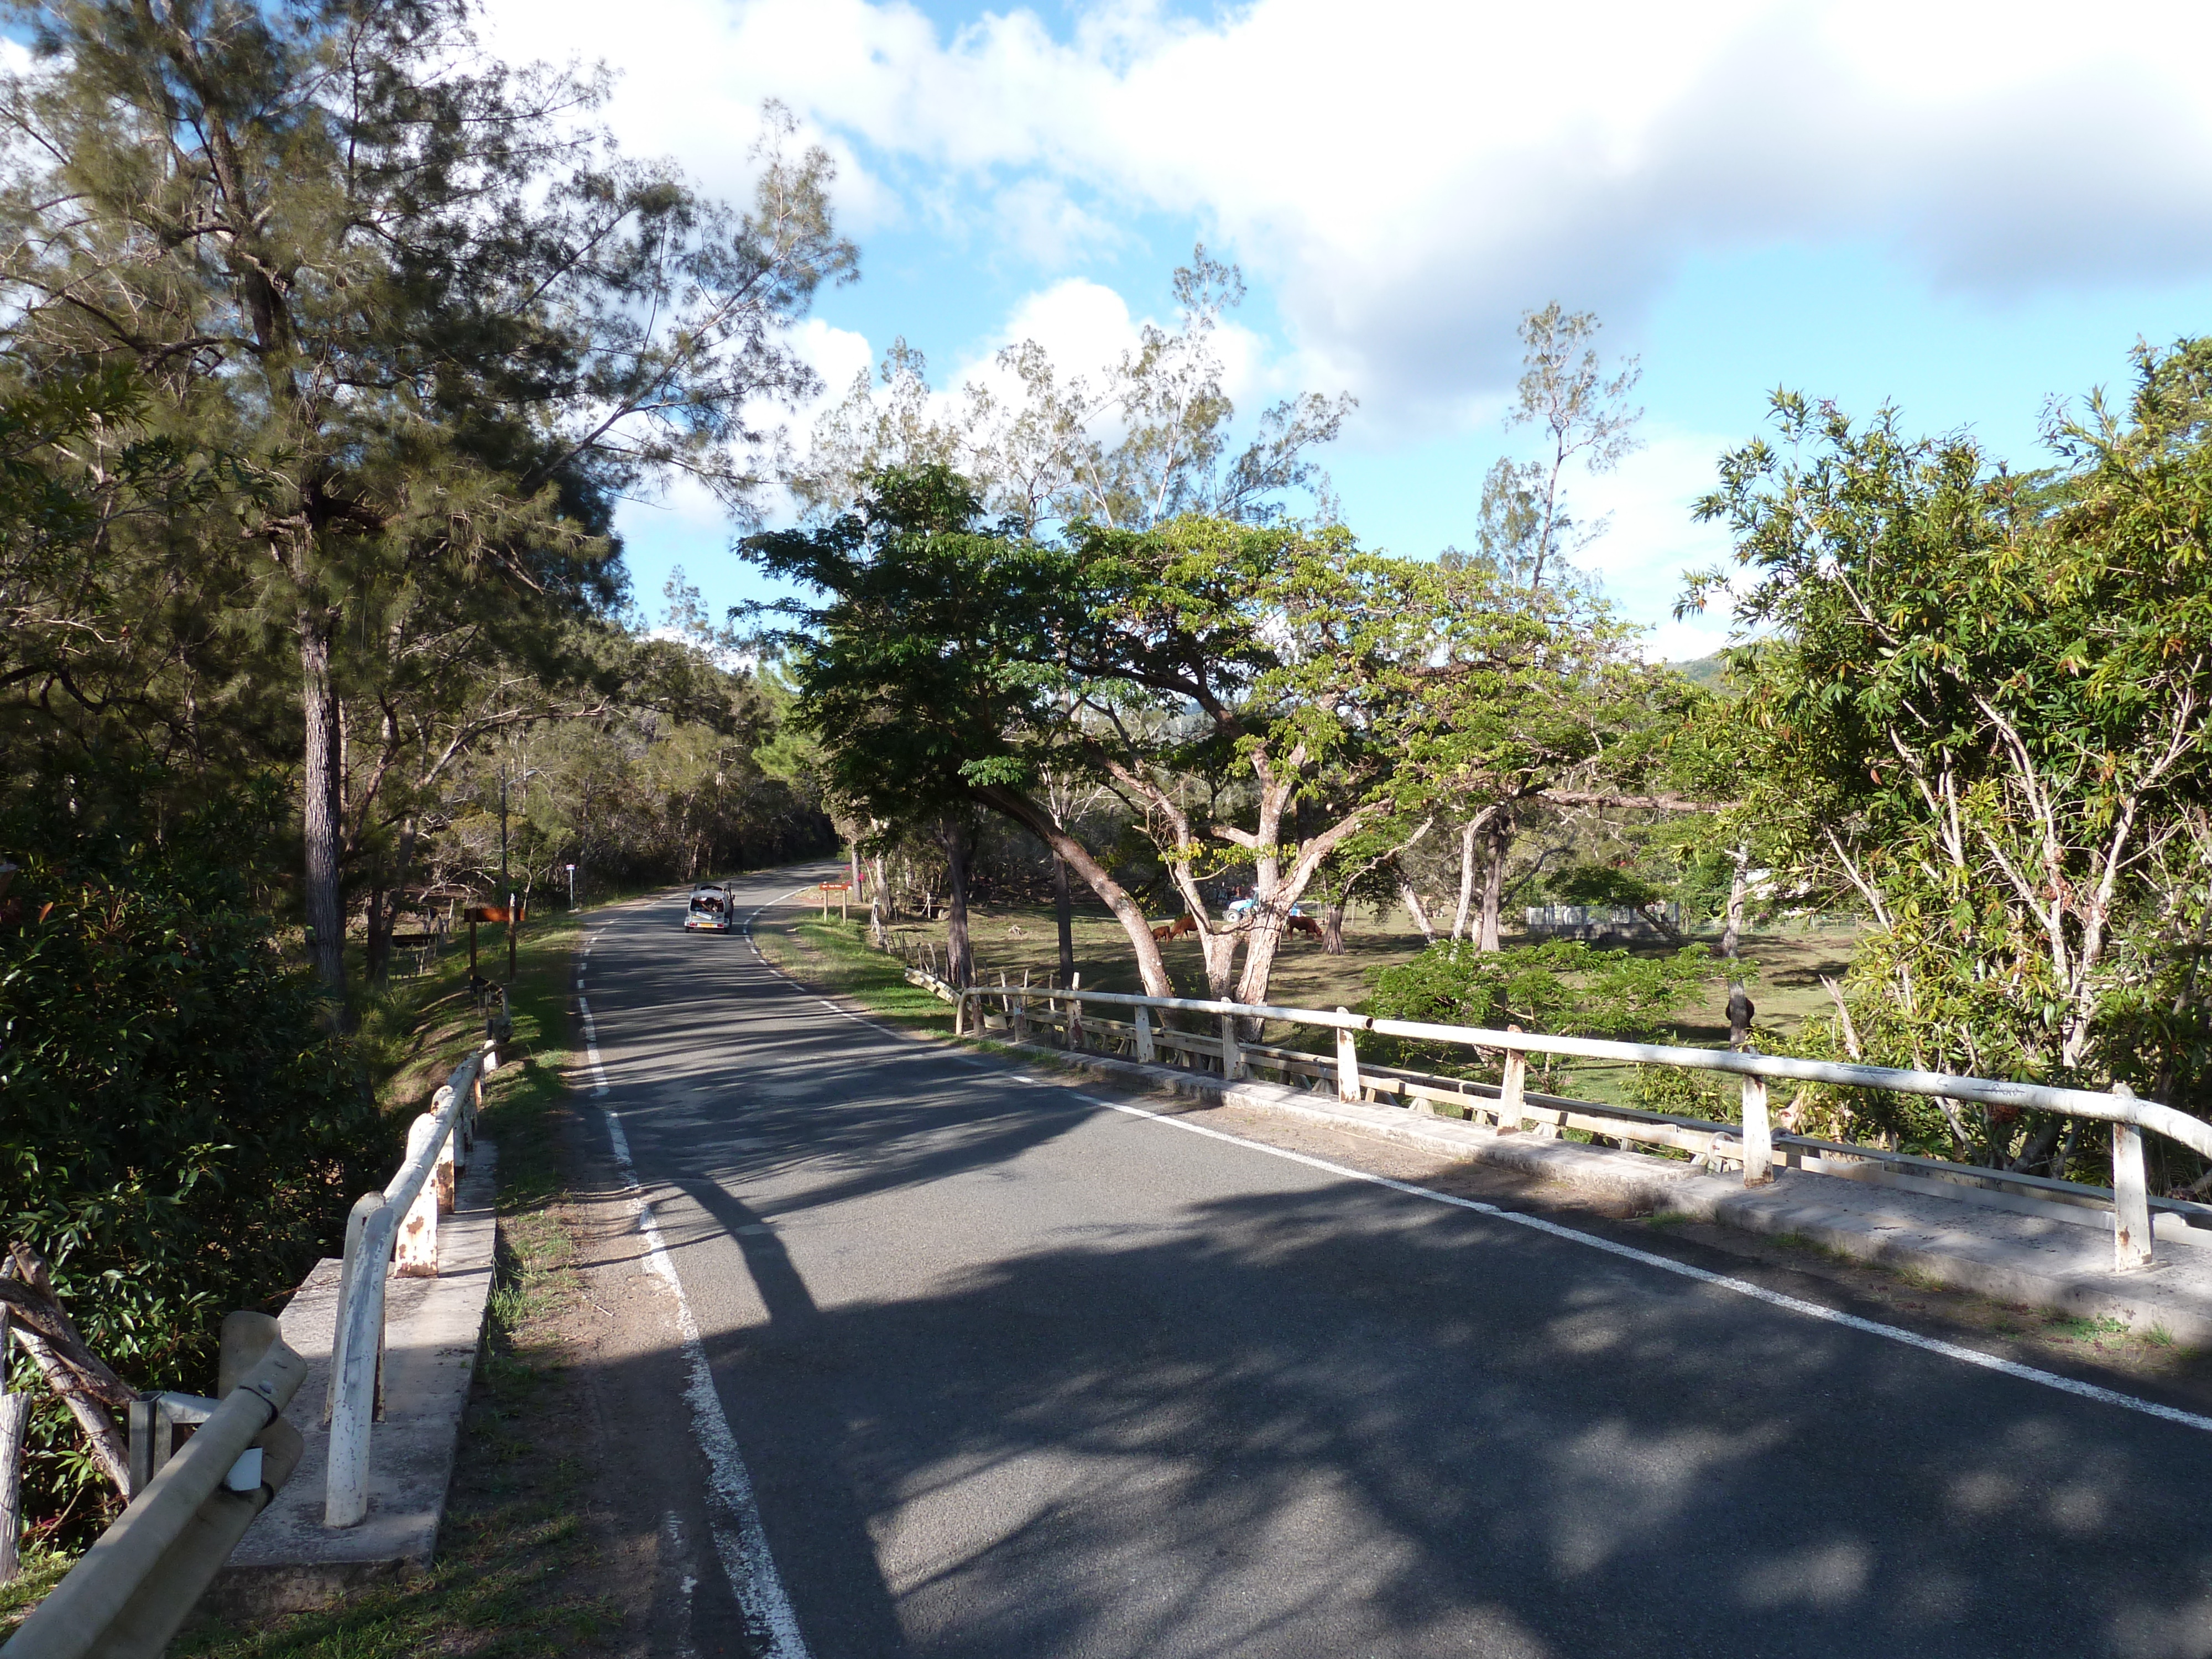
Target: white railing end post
{"points": [[357, 1220], [1348, 1064], [358, 1353], [1757, 1133], [1146, 1052], [1513, 1088], [418, 1228], [2131, 1228]]}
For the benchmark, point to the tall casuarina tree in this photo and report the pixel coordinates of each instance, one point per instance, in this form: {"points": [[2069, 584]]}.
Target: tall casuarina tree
{"points": [[404, 286]]}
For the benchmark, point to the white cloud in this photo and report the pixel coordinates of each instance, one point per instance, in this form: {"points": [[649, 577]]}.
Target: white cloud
{"points": [[836, 355], [1652, 537], [1046, 224], [1410, 175]]}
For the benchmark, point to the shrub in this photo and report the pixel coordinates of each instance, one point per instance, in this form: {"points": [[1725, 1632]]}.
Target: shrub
{"points": [[1562, 988], [180, 1130]]}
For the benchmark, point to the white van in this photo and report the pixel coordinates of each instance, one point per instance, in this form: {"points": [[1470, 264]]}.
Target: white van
{"points": [[713, 910]]}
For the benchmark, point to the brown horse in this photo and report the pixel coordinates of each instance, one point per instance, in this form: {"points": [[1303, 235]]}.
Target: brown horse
{"points": [[1176, 929], [1305, 925]]}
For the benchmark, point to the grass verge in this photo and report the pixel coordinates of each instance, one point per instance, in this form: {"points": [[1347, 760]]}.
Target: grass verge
{"points": [[834, 955], [39, 1571], [515, 1570]]}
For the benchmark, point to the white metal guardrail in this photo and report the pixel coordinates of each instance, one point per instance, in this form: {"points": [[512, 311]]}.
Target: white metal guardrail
{"points": [[2128, 1117], [393, 1230], [126, 1597]]}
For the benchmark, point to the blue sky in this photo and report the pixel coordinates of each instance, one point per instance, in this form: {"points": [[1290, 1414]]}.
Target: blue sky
{"points": [[1874, 201]]}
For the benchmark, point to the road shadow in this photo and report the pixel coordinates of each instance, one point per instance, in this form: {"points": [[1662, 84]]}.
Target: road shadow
{"points": [[1318, 1424]]}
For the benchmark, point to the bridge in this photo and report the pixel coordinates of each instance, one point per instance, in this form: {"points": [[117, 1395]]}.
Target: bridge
{"points": [[967, 1358]]}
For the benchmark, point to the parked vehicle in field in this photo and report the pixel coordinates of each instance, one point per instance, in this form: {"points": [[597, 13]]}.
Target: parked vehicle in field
{"points": [[712, 910]]}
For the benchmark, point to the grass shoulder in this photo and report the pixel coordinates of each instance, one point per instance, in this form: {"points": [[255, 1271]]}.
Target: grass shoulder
{"points": [[834, 955], [518, 1570]]}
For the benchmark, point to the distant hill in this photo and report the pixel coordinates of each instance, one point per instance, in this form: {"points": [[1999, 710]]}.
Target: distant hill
{"points": [[1707, 671]]}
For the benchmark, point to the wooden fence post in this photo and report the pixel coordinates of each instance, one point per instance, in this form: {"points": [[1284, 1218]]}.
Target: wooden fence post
{"points": [[1348, 1064], [1232, 1056], [1146, 1053]]}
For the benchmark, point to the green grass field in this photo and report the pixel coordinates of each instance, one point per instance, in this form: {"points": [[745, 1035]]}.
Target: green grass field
{"points": [[1785, 964]]}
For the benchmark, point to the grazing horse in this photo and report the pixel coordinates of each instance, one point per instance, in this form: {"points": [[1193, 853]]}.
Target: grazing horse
{"points": [[1305, 925], [1176, 929]]}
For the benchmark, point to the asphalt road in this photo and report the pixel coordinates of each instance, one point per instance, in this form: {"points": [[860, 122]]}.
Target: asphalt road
{"points": [[1014, 1373]]}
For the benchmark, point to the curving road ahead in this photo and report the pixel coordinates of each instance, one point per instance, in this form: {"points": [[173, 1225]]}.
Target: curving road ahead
{"points": [[1011, 1372]]}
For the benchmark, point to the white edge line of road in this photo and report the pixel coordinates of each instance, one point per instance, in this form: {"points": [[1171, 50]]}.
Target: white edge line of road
{"points": [[1720, 1281], [740, 1538]]}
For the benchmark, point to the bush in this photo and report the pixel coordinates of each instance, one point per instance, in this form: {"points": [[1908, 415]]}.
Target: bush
{"points": [[180, 1134], [1563, 988]]}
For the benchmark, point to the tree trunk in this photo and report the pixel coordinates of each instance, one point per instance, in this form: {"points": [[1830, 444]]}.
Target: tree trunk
{"points": [[1467, 839], [1414, 908], [960, 955], [1262, 941], [1332, 926], [1063, 909], [1217, 946], [376, 956], [1498, 841], [1152, 968], [1737, 883], [319, 803], [15, 1420]]}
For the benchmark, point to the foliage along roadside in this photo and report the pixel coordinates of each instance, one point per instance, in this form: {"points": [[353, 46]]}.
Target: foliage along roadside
{"points": [[184, 1131]]}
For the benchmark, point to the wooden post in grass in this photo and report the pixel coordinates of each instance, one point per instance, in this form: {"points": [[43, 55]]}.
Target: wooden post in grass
{"points": [[1075, 1013]]}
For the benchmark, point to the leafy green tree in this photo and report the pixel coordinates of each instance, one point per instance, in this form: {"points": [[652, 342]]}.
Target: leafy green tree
{"points": [[1976, 702], [438, 324], [924, 672], [182, 1135], [1260, 694], [1140, 441], [1564, 988]]}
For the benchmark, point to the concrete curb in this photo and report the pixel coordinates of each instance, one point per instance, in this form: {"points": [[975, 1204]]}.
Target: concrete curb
{"points": [[288, 1561], [2052, 1262]]}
